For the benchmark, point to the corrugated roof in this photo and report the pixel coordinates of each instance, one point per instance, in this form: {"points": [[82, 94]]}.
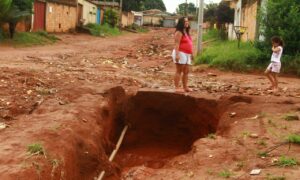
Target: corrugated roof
{"points": [[66, 2], [102, 3]]}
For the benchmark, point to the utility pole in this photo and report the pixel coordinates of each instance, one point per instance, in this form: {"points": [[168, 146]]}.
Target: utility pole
{"points": [[200, 28], [120, 19], [186, 8]]}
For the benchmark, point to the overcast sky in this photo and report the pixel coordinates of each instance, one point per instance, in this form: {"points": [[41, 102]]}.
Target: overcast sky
{"points": [[171, 5]]}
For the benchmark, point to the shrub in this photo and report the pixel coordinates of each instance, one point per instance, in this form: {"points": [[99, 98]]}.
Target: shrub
{"points": [[286, 162], [102, 30], [281, 18], [111, 17]]}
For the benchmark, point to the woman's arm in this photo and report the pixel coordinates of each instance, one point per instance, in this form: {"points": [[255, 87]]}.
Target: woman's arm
{"points": [[276, 49], [178, 36]]}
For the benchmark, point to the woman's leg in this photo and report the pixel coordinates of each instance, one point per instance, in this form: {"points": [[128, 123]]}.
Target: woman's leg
{"points": [[185, 76], [179, 68]]}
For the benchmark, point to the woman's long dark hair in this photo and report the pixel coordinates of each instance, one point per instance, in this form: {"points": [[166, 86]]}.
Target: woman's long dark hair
{"points": [[180, 26]]}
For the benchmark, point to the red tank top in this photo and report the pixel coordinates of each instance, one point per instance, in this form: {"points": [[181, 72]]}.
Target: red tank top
{"points": [[186, 44]]}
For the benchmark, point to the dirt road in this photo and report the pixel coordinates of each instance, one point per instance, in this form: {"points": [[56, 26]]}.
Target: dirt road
{"points": [[56, 96]]}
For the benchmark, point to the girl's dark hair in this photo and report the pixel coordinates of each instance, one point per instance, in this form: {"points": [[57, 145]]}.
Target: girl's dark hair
{"points": [[278, 40], [180, 26]]}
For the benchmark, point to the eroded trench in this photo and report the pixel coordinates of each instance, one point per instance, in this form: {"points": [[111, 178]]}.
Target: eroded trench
{"points": [[162, 125]]}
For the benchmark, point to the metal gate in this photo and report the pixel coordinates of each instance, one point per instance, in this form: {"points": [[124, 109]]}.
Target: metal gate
{"points": [[80, 14], [39, 15], [98, 16]]}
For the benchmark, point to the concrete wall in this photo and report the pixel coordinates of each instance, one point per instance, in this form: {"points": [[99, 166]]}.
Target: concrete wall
{"points": [[60, 18], [152, 20], [249, 20], [127, 19], [169, 23], [89, 11]]}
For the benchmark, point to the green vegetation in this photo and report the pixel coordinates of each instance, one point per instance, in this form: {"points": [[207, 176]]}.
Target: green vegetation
{"points": [[269, 177], [211, 136], [31, 38], [291, 117], [137, 28], [13, 11], [294, 138], [225, 55], [102, 30], [141, 5], [281, 18], [287, 162], [211, 35], [225, 174], [111, 17], [35, 149], [262, 154], [262, 142]]}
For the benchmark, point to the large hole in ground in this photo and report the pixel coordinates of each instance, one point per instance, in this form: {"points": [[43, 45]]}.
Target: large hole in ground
{"points": [[163, 125]]}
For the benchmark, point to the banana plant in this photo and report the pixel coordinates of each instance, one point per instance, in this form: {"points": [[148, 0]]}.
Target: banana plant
{"points": [[4, 7], [17, 11]]}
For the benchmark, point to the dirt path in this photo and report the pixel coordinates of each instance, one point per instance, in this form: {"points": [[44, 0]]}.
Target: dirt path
{"points": [[56, 96]]}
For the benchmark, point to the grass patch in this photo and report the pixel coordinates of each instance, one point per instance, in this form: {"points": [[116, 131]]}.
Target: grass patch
{"points": [[102, 30], [262, 143], [291, 117], [225, 174], [137, 28], [287, 162], [211, 34], [294, 138], [269, 177], [24, 39], [211, 136], [262, 154], [225, 55], [35, 149]]}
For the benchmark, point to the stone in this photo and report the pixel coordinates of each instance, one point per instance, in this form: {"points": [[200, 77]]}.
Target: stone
{"points": [[253, 135], [233, 114], [255, 172]]}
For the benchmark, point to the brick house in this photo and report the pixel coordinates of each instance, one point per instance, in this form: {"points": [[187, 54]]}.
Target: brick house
{"points": [[61, 15], [54, 15]]}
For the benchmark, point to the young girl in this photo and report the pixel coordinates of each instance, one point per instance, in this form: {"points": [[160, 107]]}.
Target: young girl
{"points": [[182, 54], [274, 68]]}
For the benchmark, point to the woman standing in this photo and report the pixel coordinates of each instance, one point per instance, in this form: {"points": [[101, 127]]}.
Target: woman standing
{"points": [[182, 54]]}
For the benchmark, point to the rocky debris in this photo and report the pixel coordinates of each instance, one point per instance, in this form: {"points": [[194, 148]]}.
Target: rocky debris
{"points": [[253, 135], [232, 114], [3, 126]]}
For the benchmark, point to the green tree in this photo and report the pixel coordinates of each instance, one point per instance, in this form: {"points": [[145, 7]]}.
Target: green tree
{"points": [[16, 12], [225, 14], [111, 17], [4, 7], [210, 13], [154, 4], [281, 18], [132, 5], [190, 7]]}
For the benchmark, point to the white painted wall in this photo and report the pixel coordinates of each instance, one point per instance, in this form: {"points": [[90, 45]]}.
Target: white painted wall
{"points": [[89, 11]]}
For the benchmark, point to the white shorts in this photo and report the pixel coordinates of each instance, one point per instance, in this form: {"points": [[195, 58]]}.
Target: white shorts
{"points": [[184, 58], [274, 67]]}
